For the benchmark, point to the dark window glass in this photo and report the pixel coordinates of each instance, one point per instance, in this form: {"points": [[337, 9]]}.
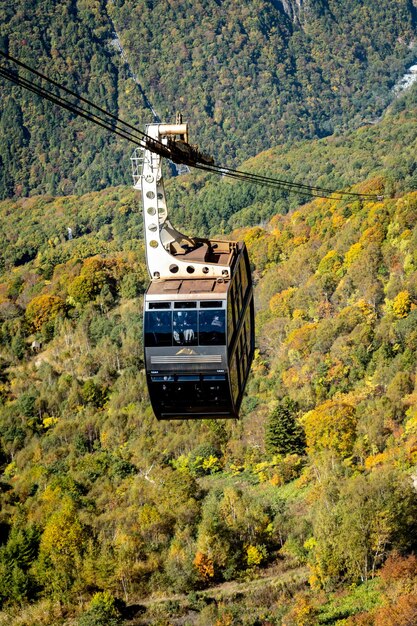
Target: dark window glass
{"points": [[244, 277], [211, 304], [191, 396], [234, 379], [247, 331], [243, 358], [230, 320], [237, 300], [158, 328], [184, 328], [185, 305], [238, 366], [159, 305], [215, 377], [212, 327]]}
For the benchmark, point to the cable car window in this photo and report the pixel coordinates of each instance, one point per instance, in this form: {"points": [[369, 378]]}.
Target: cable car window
{"points": [[239, 371], [243, 356], [158, 328], [212, 327], [185, 305], [230, 319], [184, 328], [216, 377], [244, 276], [247, 332], [237, 306], [234, 380], [237, 299], [211, 304], [159, 305]]}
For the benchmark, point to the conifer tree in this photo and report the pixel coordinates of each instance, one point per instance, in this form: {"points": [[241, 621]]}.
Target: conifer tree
{"points": [[283, 434]]}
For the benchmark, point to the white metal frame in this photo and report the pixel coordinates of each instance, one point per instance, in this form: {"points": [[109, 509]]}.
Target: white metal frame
{"points": [[160, 235]]}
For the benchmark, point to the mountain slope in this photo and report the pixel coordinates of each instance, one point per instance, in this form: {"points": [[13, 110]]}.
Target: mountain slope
{"points": [[101, 503], [202, 204], [246, 78], [253, 77], [43, 148], [386, 150]]}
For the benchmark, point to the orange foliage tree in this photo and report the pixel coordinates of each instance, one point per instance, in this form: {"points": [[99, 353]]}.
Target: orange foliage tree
{"points": [[204, 565], [43, 309], [402, 613]]}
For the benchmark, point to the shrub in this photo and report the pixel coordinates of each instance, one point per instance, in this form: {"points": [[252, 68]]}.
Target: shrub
{"points": [[102, 611]]}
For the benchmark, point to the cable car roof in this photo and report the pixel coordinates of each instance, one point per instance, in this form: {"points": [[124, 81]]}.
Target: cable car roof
{"points": [[185, 287]]}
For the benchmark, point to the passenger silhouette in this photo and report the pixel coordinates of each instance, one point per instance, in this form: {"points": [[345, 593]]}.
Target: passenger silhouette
{"points": [[184, 331]]}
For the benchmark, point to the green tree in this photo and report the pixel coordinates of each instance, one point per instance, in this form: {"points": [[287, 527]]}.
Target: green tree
{"points": [[357, 521], [14, 139], [283, 434], [204, 459], [17, 583], [61, 548], [103, 611]]}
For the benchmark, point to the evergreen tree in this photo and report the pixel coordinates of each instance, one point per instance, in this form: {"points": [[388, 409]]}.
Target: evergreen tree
{"points": [[16, 557], [283, 434], [14, 139]]}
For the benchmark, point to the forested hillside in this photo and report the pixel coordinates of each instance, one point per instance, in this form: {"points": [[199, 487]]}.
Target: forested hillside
{"points": [[304, 511], [201, 204], [247, 75]]}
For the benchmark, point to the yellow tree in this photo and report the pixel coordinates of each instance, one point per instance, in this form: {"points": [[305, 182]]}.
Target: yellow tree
{"points": [[402, 304], [61, 549], [330, 426], [42, 309]]}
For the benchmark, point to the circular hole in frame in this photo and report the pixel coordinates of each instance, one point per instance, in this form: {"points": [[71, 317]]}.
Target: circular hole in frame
{"points": [[151, 210], [190, 269], [173, 269], [150, 194], [153, 243]]}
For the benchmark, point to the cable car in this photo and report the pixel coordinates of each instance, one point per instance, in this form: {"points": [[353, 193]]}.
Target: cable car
{"points": [[198, 309]]}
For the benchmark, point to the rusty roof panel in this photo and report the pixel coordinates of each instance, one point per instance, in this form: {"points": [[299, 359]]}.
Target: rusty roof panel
{"points": [[195, 286], [187, 286], [171, 285]]}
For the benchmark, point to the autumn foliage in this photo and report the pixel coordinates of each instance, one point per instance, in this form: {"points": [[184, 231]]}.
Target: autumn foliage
{"points": [[44, 309], [306, 504], [204, 566], [330, 426]]}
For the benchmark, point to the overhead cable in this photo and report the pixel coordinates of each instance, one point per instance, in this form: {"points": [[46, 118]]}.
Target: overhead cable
{"points": [[335, 195], [131, 133], [74, 94], [267, 179], [43, 93]]}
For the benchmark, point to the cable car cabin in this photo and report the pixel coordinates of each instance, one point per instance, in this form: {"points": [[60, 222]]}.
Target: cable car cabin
{"points": [[199, 318], [199, 339]]}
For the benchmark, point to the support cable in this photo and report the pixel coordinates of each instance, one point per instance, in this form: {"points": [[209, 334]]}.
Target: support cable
{"points": [[124, 130]]}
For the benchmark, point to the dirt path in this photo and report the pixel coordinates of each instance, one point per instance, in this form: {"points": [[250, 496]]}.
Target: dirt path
{"points": [[231, 588]]}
